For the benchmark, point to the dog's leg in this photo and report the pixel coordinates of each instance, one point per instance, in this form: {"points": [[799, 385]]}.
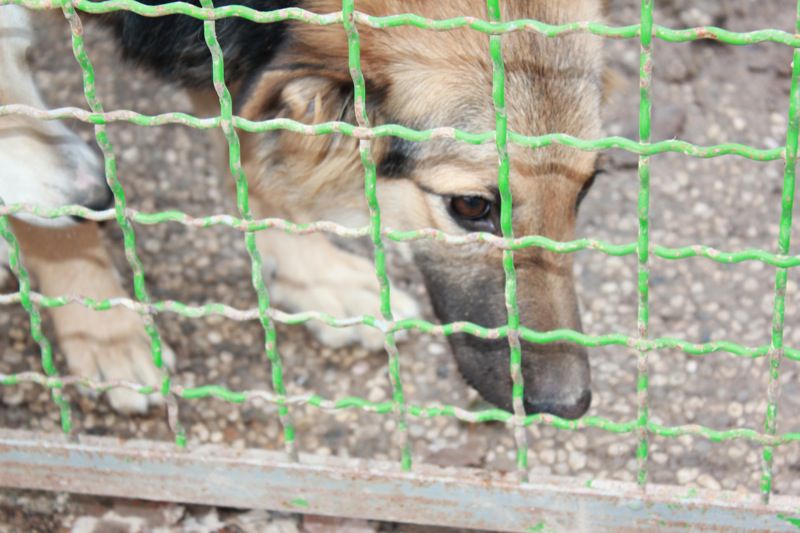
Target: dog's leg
{"points": [[105, 345], [309, 273]]}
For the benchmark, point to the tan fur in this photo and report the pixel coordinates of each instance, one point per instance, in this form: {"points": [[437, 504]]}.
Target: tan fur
{"points": [[425, 79], [433, 79]]}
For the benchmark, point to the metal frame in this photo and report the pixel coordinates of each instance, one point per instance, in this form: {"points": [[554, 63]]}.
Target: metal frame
{"points": [[456, 497]]}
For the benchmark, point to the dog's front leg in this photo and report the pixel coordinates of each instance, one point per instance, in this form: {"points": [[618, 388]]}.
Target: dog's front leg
{"points": [[103, 345]]}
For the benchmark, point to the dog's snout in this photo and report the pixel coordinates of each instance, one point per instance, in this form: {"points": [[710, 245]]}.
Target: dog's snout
{"points": [[100, 201], [104, 200], [569, 410]]}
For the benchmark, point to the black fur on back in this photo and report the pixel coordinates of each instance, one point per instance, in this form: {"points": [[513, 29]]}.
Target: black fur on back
{"points": [[174, 48]]}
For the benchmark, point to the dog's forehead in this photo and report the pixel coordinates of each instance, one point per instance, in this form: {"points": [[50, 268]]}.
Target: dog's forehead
{"points": [[551, 85], [537, 103]]}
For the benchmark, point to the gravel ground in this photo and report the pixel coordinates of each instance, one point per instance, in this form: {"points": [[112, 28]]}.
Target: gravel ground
{"points": [[704, 92]]}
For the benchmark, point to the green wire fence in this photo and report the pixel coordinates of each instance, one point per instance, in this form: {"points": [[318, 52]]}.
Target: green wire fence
{"points": [[643, 427]]}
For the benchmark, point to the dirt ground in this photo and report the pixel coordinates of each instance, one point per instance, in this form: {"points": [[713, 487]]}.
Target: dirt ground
{"points": [[704, 92]]}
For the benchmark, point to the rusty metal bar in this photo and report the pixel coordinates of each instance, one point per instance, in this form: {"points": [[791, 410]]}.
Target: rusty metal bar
{"points": [[216, 475]]}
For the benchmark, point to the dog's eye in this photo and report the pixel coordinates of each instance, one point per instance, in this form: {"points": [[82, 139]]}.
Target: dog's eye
{"points": [[470, 208]]}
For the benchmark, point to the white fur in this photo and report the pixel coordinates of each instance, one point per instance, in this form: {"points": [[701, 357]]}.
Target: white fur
{"points": [[43, 162]]}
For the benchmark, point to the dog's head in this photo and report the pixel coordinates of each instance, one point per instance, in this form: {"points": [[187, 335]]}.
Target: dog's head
{"points": [[44, 163], [424, 79]]}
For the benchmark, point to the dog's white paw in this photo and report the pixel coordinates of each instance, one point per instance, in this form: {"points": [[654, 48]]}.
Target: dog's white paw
{"points": [[113, 346], [344, 298], [310, 273]]}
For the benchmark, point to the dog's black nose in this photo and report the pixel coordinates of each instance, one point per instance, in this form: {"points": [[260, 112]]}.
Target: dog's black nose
{"points": [[104, 199], [567, 410]]}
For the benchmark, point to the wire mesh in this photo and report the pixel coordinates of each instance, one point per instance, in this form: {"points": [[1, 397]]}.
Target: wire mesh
{"points": [[494, 27]]}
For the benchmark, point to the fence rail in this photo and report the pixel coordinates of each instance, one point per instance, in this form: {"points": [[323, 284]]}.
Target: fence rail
{"points": [[454, 497]]}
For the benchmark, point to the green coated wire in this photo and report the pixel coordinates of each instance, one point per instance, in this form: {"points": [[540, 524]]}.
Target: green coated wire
{"points": [[507, 229], [370, 191], [34, 317], [242, 201], [424, 326], [403, 132], [393, 21], [643, 244], [110, 167], [776, 352], [519, 243]]}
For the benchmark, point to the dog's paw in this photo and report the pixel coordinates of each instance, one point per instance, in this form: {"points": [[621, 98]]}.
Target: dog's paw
{"points": [[113, 346], [346, 298]]}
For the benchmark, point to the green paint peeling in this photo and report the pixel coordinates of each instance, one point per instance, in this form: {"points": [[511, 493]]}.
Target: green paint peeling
{"points": [[299, 502], [795, 521], [691, 493], [540, 527]]}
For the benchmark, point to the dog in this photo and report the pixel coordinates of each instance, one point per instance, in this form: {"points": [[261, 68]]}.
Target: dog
{"points": [[46, 164], [420, 79]]}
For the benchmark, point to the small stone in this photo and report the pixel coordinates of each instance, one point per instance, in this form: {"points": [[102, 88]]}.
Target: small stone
{"points": [[12, 357], [735, 409], [376, 395], [580, 441], [360, 368], [84, 524], [577, 460], [548, 457], [686, 475], [450, 432], [708, 482], [13, 396], [436, 349]]}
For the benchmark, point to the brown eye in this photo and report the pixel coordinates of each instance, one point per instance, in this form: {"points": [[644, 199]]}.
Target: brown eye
{"points": [[470, 207]]}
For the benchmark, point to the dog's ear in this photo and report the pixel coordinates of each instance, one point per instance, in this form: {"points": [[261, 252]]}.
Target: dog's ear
{"points": [[308, 95], [613, 83]]}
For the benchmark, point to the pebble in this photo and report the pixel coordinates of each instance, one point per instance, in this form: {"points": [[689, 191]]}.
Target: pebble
{"points": [[708, 482], [281, 526], [435, 348], [360, 368], [577, 460], [686, 475], [547, 456], [735, 410], [12, 396], [659, 457], [376, 395]]}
